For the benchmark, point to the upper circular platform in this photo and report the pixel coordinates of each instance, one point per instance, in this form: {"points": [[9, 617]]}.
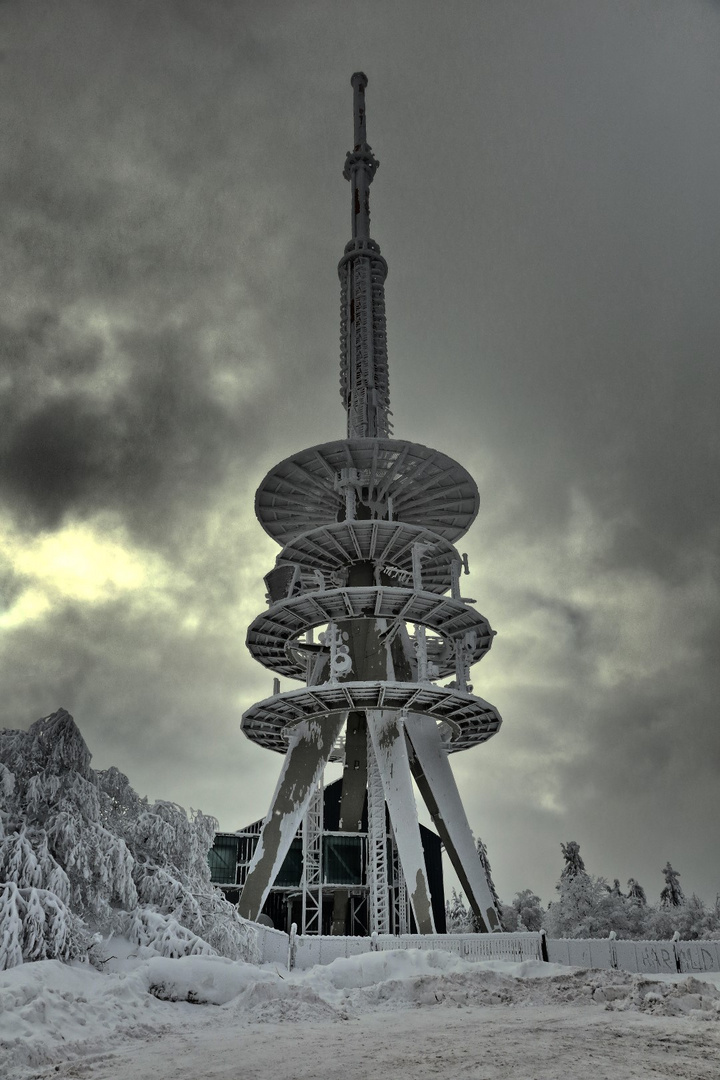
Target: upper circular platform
{"points": [[307, 491], [389, 543]]}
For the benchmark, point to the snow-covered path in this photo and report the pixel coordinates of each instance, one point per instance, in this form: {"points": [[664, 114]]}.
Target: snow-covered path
{"points": [[488, 1042]]}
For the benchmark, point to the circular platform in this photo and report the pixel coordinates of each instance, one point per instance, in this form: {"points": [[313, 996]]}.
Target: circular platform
{"points": [[428, 489], [468, 720], [272, 634], [389, 543]]}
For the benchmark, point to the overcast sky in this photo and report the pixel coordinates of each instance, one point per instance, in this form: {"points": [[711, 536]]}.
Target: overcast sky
{"points": [[173, 210]]}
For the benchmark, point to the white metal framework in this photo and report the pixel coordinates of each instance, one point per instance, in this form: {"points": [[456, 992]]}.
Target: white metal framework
{"points": [[378, 895], [365, 609], [312, 863], [400, 905]]}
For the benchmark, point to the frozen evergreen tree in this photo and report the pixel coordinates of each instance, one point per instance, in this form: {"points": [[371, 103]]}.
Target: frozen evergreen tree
{"points": [[672, 895], [485, 861], [586, 908], [80, 851], [638, 912], [574, 865], [458, 919], [636, 893]]}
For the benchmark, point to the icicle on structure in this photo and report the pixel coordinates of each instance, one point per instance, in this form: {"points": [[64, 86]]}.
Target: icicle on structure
{"points": [[366, 612]]}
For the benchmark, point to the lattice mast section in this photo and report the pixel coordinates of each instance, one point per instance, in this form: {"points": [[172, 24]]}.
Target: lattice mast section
{"points": [[312, 863], [377, 853], [364, 380]]}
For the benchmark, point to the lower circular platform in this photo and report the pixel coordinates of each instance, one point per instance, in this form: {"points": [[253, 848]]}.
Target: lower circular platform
{"points": [[272, 634], [426, 488], [469, 720]]}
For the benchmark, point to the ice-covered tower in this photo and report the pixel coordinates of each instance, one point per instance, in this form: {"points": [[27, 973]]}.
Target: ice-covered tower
{"points": [[366, 612]]}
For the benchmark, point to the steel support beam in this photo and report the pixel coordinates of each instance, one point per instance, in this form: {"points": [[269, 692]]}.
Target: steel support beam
{"points": [[311, 743], [386, 731], [436, 782]]}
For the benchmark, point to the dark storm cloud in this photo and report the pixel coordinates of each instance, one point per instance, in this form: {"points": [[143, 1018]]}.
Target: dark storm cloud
{"points": [[162, 713], [156, 443], [122, 204], [173, 209]]}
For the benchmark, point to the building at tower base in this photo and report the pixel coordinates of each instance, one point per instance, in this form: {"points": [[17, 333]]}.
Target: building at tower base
{"points": [[344, 872]]}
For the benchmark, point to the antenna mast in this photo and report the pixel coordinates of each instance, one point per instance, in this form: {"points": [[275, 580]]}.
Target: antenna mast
{"points": [[364, 381]]}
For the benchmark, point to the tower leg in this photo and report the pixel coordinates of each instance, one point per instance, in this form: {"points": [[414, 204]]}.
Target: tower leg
{"points": [[310, 745], [388, 742], [436, 782], [352, 800]]}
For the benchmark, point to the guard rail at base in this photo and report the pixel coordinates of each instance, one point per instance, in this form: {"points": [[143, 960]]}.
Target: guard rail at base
{"points": [[649, 957]]}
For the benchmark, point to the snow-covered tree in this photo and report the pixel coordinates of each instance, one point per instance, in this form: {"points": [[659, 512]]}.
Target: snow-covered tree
{"points": [[637, 910], [636, 893], [530, 911], [510, 919], [586, 906], [485, 862], [691, 920], [574, 865], [458, 919], [672, 895], [80, 851]]}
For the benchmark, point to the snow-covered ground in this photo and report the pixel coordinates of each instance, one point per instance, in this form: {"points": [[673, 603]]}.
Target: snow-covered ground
{"points": [[400, 1014]]}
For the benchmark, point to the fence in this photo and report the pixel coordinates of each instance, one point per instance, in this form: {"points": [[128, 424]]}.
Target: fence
{"points": [[309, 950], [650, 957], [304, 951], [272, 945]]}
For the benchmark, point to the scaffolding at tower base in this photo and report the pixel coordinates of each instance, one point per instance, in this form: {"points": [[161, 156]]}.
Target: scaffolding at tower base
{"points": [[379, 912], [312, 870]]}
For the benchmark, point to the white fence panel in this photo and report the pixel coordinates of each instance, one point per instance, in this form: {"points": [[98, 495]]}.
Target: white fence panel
{"points": [[698, 955], [272, 944], [558, 950], [579, 953], [656, 957], [601, 953], [515, 947], [312, 949], [626, 955]]}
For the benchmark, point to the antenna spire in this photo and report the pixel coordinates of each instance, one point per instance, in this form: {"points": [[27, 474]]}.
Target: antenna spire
{"points": [[360, 163], [364, 383]]}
